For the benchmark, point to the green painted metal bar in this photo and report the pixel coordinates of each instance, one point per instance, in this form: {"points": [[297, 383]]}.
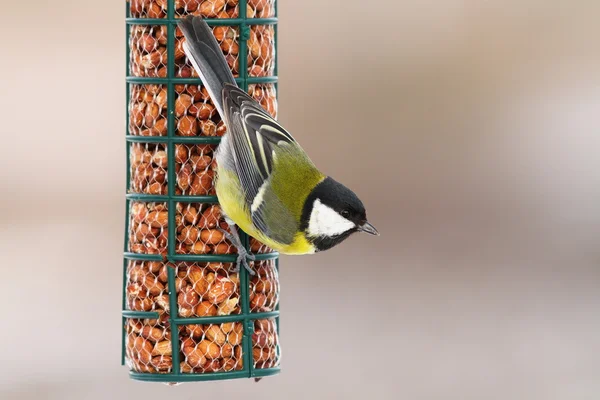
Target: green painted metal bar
{"points": [[177, 139], [124, 304], [220, 257], [142, 257], [211, 376], [163, 81], [266, 372], [210, 22], [261, 80], [128, 177], [146, 139], [244, 278], [276, 73], [183, 199], [147, 197], [173, 319], [195, 81], [171, 175], [196, 139], [171, 271], [225, 258], [140, 314], [226, 318], [197, 199], [267, 256], [277, 319]]}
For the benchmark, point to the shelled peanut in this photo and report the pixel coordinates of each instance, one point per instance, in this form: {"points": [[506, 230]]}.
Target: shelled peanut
{"points": [[148, 346], [211, 347], [148, 341], [148, 110], [148, 8], [195, 113], [265, 344], [264, 286], [261, 51], [207, 289], [148, 51], [200, 230], [257, 247], [148, 163], [194, 168], [148, 228], [147, 288], [266, 95]]}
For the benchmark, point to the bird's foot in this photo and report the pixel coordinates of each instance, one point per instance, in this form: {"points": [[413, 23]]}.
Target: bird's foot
{"points": [[243, 257], [243, 254]]}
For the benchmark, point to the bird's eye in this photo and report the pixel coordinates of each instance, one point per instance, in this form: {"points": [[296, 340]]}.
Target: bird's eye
{"points": [[345, 213]]}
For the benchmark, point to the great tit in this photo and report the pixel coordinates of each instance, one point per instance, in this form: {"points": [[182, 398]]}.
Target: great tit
{"points": [[265, 183]]}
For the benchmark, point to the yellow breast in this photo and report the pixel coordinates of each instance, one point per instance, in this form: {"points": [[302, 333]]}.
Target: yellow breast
{"points": [[233, 204]]}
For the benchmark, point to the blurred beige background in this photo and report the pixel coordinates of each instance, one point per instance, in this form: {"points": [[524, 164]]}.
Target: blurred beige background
{"points": [[471, 130]]}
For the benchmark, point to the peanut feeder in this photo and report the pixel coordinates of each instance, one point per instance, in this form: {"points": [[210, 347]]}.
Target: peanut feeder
{"points": [[186, 316]]}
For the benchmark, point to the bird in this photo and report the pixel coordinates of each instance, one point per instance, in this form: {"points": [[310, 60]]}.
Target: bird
{"points": [[265, 182]]}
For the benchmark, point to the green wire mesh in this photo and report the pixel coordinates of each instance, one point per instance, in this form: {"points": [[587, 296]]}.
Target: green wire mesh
{"points": [[186, 317]]}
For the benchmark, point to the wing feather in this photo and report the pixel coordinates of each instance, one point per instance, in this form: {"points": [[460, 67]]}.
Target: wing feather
{"points": [[255, 138]]}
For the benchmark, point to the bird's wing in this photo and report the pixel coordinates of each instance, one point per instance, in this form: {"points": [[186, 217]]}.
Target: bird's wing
{"points": [[255, 141]]}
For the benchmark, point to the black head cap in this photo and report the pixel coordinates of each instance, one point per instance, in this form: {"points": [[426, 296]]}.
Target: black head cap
{"points": [[343, 201]]}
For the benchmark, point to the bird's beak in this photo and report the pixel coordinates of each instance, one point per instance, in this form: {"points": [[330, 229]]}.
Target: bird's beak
{"points": [[368, 228]]}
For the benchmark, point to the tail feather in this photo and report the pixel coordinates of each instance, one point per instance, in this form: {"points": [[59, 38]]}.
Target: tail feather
{"points": [[205, 54]]}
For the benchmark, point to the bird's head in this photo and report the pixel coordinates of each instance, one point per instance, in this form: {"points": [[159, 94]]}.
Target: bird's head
{"points": [[333, 212]]}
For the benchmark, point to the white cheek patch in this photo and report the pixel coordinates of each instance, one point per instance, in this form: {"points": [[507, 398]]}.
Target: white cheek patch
{"points": [[325, 221]]}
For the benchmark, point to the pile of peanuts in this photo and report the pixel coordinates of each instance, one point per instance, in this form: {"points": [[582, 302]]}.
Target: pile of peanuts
{"points": [[205, 8], [200, 230], [149, 57], [261, 51], [207, 290], [265, 344], [148, 163], [148, 228], [148, 346], [211, 348], [148, 110], [148, 341], [203, 290], [148, 51], [195, 114], [194, 169], [264, 286]]}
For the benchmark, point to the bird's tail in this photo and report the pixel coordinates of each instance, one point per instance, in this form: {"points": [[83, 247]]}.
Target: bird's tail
{"points": [[205, 54]]}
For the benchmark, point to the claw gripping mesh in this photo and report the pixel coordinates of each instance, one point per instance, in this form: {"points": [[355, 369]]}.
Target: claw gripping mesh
{"points": [[188, 314]]}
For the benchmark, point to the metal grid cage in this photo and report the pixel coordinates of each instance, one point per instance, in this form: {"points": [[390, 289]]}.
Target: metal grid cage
{"points": [[185, 316]]}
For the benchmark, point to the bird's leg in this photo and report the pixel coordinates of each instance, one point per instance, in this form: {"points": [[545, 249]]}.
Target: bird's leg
{"points": [[243, 255]]}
